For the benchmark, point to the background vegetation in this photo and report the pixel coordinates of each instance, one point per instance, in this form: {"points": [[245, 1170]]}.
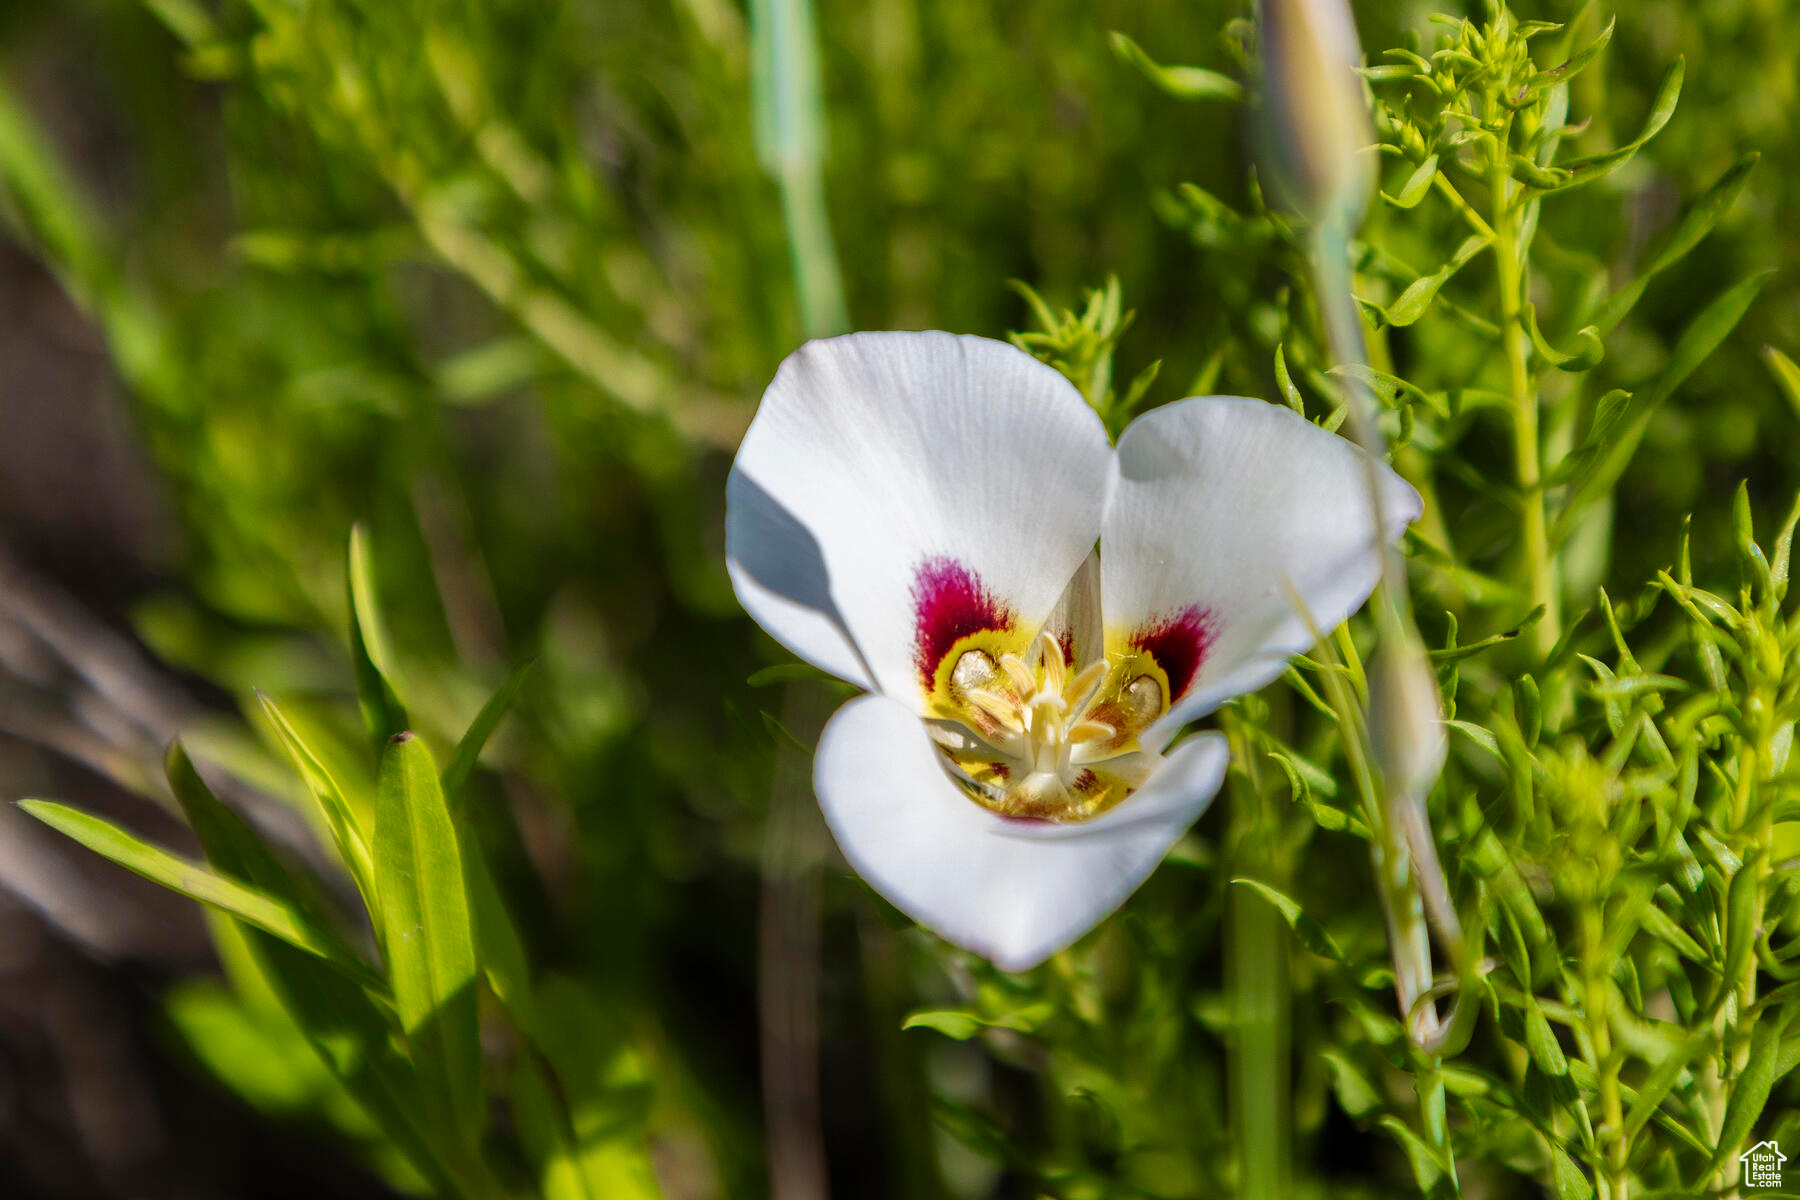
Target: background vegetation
{"points": [[502, 281]]}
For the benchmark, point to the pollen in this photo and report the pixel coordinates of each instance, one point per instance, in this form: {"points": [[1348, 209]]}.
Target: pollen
{"points": [[1029, 737]]}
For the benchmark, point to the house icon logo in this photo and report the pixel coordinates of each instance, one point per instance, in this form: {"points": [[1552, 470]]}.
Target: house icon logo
{"points": [[1762, 1165]]}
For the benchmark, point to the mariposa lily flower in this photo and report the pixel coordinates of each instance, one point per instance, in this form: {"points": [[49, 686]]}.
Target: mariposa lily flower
{"points": [[1035, 613]]}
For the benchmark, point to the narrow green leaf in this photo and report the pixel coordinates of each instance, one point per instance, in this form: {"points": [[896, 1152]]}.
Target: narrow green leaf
{"points": [[1183, 83], [1583, 171], [1428, 1165], [1571, 1182], [1609, 411], [1584, 358], [1285, 382], [429, 938], [1576, 62], [1452, 654], [1307, 931], [1664, 928], [960, 1026], [347, 1029], [1356, 1095], [1541, 1043], [1787, 375], [468, 751], [1695, 223], [339, 817], [545, 1132], [1662, 1079], [383, 714], [1783, 550], [1412, 303], [1701, 337], [499, 948], [197, 881], [1416, 186], [1750, 1090]]}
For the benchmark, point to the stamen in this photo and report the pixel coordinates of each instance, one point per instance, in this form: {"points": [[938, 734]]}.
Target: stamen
{"points": [[1055, 669], [1091, 731], [1086, 682], [998, 707], [1019, 673]]}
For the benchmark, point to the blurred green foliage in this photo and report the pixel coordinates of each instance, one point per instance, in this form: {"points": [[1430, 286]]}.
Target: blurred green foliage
{"points": [[503, 280]]}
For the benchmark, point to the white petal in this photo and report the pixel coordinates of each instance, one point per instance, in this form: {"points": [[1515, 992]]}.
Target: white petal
{"points": [[1013, 892], [1224, 510], [887, 468]]}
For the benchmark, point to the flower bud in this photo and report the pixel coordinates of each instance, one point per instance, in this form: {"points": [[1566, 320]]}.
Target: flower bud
{"points": [[1314, 133]]}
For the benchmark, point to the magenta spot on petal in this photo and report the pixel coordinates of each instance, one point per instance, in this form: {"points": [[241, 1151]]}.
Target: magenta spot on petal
{"points": [[949, 602], [1179, 644]]}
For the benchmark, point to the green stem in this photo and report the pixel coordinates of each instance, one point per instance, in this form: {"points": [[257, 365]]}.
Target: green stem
{"points": [[1527, 455], [1260, 999], [1595, 1001]]}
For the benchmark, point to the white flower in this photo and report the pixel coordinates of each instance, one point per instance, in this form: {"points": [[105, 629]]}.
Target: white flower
{"points": [[1036, 614]]}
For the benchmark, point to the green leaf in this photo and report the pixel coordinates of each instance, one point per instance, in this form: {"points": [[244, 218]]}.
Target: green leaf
{"points": [[267, 1063], [1428, 1164], [1307, 931], [347, 832], [499, 948], [1285, 382], [1541, 1043], [1695, 223], [428, 935], [1576, 62], [1609, 411], [1701, 337], [960, 1026], [1416, 186], [1750, 1090], [349, 1031], [1664, 928], [581, 1106], [1356, 1095], [1787, 375], [1661, 1080], [1571, 1182], [197, 881], [1412, 303], [1452, 654], [1585, 358], [1594, 167], [1183, 83], [468, 750], [383, 714]]}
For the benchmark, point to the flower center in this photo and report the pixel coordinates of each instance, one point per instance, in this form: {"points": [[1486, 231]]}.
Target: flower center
{"points": [[1031, 738]]}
